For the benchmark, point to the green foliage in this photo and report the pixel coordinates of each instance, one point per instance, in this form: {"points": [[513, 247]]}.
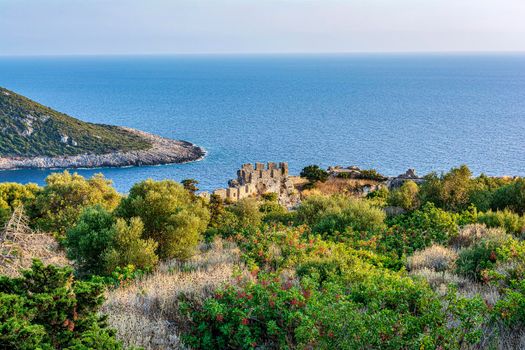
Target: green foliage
{"points": [[47, 309], [355, 306], [58, 206], [511, 309], [405, 197], [506, 219], [473, 261], [89, 239], [314, 173], [379, 197], [172, 217], [450, 191], [370, 174], [128, 248], [483, 189], [48, 128], [420, 229], [338, 214], [511, 196], [13, 195], [190, 185], [247, 213]]}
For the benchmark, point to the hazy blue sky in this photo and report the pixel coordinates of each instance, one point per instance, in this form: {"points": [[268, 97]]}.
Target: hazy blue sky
{"points": [[225, 26]]}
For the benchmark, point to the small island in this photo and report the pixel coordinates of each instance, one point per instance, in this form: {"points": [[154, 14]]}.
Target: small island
{"points": [[36, 136]]}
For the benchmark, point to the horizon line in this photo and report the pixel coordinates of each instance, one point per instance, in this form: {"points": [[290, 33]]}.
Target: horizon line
{"points": [[263, 53]]}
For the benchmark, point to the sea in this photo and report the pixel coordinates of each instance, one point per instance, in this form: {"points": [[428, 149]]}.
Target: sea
{"points": [[390, 112]]}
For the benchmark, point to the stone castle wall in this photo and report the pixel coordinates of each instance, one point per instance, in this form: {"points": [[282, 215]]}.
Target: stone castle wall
{"points": [[256, 180]]}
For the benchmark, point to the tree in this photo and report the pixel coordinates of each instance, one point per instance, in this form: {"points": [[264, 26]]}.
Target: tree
{"points": [[511, 196], [190, 185], [405, 197], [58, 206], [13, 195], [314, 173], [450, 191], [171, 215], [457, 184], [128, 248], [89, 239], [247, 212], [48, 309]]}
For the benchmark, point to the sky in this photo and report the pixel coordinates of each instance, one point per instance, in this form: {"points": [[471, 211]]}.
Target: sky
{"points": [[73, 27]]}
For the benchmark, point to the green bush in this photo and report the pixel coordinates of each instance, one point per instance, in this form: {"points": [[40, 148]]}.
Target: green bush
{"points": [[171, 215], [58, 206], [337, 214], [353, 307], [450, 191], [370, 174], [47, 309], [420, 229], [506, 219], [247, 213], [511, 309], [405, 197], [511, 196], [99, 243], [13, 195], [88, 241], [314, 173], [128, 248], [475, 260]]}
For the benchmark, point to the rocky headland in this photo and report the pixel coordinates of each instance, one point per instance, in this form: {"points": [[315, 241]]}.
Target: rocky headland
{"points": [[162, 151]]}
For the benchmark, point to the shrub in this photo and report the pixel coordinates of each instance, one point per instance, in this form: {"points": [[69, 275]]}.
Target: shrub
{"points": [[435, 257], [405, 197], [58, 206], [474, 233], [128, 248], [314, 173], [371, 309], [247, 213], [511, 309], [337, 214], [506, 219], [424, 227], [370, 174], [89, 239], [450, 191], [47, 309], [474, 261], [13, 195], [511, 196], [172, 217]]}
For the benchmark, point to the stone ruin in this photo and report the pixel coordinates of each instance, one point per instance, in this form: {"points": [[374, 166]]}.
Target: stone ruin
{"points": [[255, 181], [410, 174]]}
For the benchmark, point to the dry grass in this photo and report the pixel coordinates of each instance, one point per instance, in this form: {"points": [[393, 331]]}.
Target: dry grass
{"points": [[471, 234], [145, 313], [19, 245], [436, 258], [336, 185]]}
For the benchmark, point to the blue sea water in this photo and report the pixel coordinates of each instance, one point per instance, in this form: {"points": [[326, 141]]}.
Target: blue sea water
{"points": [[388, 112]]}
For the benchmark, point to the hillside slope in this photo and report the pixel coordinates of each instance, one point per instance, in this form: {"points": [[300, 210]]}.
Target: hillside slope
{"points": [[35, 136], [29, 129]]}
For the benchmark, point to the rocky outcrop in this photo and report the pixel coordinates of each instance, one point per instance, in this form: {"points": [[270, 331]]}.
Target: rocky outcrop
{"points": [[162, 151]]}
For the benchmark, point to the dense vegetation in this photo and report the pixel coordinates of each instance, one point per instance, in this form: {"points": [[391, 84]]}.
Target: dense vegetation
{"points": [[29, 129], [438, 265]]}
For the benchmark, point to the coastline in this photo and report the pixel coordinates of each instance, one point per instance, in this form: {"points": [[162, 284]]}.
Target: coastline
{"points": [[162, 151]]}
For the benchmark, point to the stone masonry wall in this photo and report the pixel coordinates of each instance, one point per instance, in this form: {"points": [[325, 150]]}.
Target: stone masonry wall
{"points": [[256, 180]]}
